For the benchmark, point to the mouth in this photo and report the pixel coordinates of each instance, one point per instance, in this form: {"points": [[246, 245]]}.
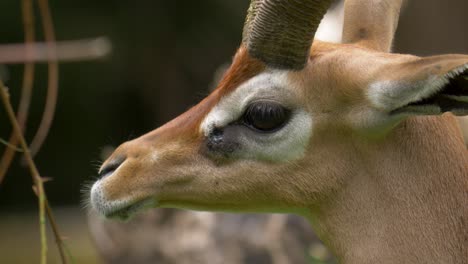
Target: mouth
{"points": [[126, 212], [452, 97], [117, 209]]}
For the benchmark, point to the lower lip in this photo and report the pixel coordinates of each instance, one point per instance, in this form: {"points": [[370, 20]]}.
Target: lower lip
{"points": [[129, 211]]}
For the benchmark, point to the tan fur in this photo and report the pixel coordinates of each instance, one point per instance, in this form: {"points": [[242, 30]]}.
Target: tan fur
{"points": [[377, 189], [464, 127], [365, 25]]}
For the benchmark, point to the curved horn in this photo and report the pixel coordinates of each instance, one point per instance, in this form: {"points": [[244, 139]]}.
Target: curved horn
{"points": [[280, 32], [371, 23]]}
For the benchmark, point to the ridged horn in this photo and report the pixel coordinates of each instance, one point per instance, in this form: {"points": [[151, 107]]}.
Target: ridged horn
{"points": [[280, 32]]}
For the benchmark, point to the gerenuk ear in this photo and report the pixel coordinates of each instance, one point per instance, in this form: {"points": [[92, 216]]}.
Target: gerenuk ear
{"points": [[423, 86], [371, 23]]}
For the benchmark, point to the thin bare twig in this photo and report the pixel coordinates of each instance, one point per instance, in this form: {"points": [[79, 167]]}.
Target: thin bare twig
{"points": [[55, 230], [33, 169], [53, 75], [44, 207], [13, 147], [26, 90]]}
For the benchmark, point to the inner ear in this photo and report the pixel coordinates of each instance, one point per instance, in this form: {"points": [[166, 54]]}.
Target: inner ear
{"points": [[450, 96], [457, 88]]}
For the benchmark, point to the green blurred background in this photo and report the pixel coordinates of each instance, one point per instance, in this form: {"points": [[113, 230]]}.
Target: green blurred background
{"points": [[165, 53], [163, 60]]}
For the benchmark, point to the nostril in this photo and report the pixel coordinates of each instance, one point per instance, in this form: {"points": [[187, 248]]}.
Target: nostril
{"points": [[111, 166], [217, 135]]}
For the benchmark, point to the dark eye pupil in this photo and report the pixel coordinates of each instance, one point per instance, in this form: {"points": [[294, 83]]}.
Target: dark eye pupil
{"points": [[266, 116]]}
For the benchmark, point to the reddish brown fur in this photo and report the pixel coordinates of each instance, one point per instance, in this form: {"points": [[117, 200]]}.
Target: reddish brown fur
{"points": [[186, 126], [243, 68]]}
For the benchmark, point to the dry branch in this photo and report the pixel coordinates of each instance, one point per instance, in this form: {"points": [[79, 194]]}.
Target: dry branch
{"points": [[44, 207], [32, 167], [73, 50], [29, 53], [26, 90]]}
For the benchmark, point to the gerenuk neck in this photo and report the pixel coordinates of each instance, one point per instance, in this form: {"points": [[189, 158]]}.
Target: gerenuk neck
{"points": [[409, 204]]}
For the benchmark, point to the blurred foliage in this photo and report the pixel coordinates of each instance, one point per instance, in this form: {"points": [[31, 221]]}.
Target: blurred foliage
{"points": [[164, 56]]}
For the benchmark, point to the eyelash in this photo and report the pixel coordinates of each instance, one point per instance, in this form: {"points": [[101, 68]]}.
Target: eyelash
{"points": [[265, 116]]}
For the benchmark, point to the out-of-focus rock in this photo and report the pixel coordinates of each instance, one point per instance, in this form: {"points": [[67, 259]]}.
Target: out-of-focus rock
{"points": [[170, 236]]}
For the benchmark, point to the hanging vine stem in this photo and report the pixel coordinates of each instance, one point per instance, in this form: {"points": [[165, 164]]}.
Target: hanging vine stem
{"points": [[26, 90], [53, 76], [38, 182]]}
